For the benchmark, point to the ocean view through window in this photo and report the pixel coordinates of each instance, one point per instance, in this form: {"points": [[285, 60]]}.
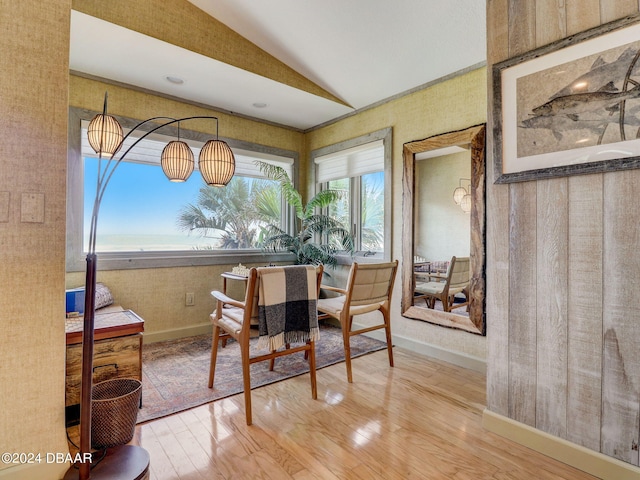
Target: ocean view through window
{"points": [[145, 212]]}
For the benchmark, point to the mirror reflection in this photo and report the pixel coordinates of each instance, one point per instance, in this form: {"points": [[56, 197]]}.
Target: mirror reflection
{"points": [[443, 212], [442, 229]]}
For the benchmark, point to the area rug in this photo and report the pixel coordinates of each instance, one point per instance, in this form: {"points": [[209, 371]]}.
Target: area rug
{"points": [[175, 373]]}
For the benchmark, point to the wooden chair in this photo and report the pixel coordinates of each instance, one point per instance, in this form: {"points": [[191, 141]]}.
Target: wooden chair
{"points": [[234, 318], [369, 288], [455, 281]]}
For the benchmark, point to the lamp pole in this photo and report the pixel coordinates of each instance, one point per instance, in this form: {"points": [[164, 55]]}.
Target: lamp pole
{"points": [[127, 461]]}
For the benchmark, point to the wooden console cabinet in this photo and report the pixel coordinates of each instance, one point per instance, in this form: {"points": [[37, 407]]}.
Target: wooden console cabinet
{"points": [[117, 353]]}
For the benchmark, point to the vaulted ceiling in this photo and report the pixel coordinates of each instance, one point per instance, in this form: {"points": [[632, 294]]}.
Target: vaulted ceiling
{"points": [[326, 58]]}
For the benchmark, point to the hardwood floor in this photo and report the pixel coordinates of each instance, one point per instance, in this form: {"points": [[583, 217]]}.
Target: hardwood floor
{"points": [[420, 419]]}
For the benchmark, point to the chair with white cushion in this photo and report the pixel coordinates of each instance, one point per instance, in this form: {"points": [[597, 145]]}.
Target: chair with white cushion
{"points": [[369, 288], [455, 281]]}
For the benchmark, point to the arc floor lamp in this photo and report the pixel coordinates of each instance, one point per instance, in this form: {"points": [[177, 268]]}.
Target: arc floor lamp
{"points": [[217, 166]]}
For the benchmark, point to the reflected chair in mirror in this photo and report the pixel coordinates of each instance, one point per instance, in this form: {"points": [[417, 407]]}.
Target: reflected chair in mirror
{"points": [[455, 281], [283, 302], [369, 288]]}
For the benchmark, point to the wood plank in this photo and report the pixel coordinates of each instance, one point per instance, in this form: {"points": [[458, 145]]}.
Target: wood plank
{"points": [[582, 15], [497, 239], [551, 21], [614, 9], [477, 286], [522, 259], [522, 26], [497, 32], [408, 208], [621, 362], [179, 457], [584, 300], [584, 295], [551, 304], [522, 304], [551, 289]]}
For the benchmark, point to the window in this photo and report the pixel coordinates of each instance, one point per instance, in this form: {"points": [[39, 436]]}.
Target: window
{"points": [[142, 211], [144, 216], [361, 168]]}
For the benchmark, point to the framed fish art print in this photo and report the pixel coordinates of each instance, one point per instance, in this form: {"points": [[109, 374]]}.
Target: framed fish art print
{"points": [[571, 107]]}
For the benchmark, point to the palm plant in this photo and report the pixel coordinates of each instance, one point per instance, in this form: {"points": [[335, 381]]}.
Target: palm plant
{"points": [[310, 226], [236, 210], [372, 217]]}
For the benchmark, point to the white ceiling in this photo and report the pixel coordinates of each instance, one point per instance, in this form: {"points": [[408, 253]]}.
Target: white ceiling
{"points": [[361, 51]]}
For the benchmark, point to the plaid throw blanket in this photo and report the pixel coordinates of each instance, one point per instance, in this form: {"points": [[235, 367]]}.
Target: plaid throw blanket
{"points": [[287, 305]]}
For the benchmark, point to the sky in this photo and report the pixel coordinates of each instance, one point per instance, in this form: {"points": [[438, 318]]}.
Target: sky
{"points": [[157, 200]]}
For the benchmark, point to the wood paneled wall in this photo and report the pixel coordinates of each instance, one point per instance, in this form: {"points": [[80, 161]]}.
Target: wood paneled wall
{"points": [[563, 270]]}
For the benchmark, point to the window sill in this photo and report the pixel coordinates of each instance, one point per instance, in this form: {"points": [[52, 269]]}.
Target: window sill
{"points": [[360, 257], [141, 260]]}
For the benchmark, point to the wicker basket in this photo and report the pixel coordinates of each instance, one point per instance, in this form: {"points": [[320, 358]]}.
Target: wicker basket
{"points": [[114, 411]]}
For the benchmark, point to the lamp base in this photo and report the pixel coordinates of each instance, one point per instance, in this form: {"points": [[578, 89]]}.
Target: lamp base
{"points": [[127, 462]]}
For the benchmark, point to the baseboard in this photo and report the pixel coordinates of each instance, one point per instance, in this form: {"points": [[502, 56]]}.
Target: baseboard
{"points": [[589, 461], [434, 351], [175, 333]]}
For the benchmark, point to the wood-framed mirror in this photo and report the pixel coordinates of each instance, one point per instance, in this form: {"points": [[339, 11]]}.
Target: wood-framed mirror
{"points": [[415, 197]]}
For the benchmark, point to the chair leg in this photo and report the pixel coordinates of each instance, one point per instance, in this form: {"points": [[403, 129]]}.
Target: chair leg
{"points": [[387, 331], [246, 380], [214, 354], [312, 369], [272, 362], [346, 339], [445, 303]]}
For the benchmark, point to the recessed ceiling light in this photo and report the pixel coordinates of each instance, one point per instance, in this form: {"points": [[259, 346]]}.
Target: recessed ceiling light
{"points": [[173, 79], [260, 105]]}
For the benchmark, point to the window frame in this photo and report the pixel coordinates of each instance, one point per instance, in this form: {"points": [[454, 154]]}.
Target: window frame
{"points": [[386, 135], [75, 256]]}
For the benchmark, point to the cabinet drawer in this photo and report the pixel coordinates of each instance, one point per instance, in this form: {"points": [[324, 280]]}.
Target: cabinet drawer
{"points": [[112, 358]]}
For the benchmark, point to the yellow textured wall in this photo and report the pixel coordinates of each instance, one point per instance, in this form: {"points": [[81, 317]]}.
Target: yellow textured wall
{"points": [[89, 94], [447, 106], [34, 41], [158, 296]]}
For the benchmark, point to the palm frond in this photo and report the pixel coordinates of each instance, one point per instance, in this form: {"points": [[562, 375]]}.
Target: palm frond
{"points": [[343, 237], [311, 225], [321, 223], [291, 195], [193, 218], [324, 198], [278, 242]]}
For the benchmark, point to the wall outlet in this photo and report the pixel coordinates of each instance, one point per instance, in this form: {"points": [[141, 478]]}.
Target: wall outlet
{"points": [[189, 299]]}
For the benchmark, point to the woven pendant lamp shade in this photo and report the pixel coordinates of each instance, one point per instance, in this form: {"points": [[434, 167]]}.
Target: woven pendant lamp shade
{"points": [[458, 194], [107, 127], [217, 163], [177, 161], [465, 203]]}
